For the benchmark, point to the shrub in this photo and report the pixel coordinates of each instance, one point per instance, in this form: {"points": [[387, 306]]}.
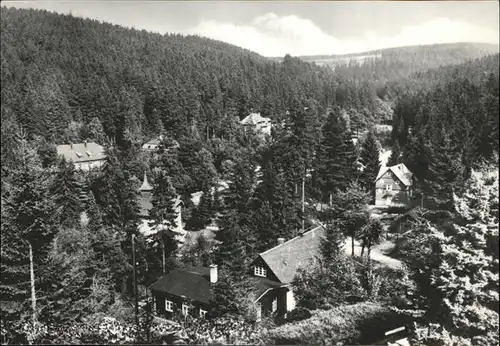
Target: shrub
{"points": [[362, 323], [298, 314]]}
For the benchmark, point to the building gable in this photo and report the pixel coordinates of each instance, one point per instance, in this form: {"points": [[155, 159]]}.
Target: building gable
{"points": [[284, 260]]}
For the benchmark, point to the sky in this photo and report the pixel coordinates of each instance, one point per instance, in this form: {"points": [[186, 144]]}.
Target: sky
{"points": [[276, 28]]}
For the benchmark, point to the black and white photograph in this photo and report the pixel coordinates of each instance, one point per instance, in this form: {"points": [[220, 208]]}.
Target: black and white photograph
{"points": [[249, 173]]}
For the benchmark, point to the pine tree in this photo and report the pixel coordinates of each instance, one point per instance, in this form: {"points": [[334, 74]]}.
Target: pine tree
{"points": [[66, 190], [446, 171], [370, 158], [27, 230], [335, 164], [333, 244], [163, 200], [395, 157], [204, 212]]}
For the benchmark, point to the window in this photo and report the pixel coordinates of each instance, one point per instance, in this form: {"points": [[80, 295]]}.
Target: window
{"points": [[388, 187], [203, 313], [185, 309], [169, 305], [259, 271]]}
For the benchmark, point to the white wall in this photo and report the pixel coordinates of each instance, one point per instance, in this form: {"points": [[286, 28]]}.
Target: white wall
{"points": [[290, 301]]}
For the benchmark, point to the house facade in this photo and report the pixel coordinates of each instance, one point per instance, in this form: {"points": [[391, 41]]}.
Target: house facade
{"points": [[185, 291], [394, 186], [274, 270], [85, 156], [260, 124]]}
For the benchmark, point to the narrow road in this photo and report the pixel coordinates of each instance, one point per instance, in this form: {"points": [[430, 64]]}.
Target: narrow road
{"points": [[378, 253]]}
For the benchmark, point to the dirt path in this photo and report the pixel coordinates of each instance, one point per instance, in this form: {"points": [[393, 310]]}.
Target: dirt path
{"points": [[378, 253]]}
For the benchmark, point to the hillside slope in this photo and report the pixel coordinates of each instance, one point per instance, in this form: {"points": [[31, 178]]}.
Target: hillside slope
{"points": [[58, 68], [395, 63]]}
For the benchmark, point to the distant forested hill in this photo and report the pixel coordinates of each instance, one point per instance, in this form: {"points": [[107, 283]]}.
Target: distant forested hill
{"points": [[394, 63]]}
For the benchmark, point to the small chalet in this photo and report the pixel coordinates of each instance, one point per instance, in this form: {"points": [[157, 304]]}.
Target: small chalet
{"points": [[154, 143], [393, 186], [85, 156], [274, 270], [151, 145], [258, 123], [146, 205], [187, 291]]}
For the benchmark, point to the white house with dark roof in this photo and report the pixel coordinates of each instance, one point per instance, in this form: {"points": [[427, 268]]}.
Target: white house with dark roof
{"points": [[85, 156], [394, 186]]}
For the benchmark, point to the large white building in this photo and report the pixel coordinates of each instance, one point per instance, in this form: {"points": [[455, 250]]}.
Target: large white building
{"points": [[85, 156]]}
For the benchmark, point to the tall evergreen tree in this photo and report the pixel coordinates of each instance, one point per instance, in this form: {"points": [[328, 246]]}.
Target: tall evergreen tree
{"points": [[66, 191], [370, 158], [395, 156], [335, 164], [27, 230]]}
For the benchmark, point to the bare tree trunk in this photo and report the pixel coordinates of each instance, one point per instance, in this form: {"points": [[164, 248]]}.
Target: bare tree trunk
{"points": [[163, 259], [303, 202], [32, 279], [363, 247]]}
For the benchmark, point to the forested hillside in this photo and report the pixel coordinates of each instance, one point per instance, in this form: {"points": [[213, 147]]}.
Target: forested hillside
{"points": [[58, 69], [70, 234]]}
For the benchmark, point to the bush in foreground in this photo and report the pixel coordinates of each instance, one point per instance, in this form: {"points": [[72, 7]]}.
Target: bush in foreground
{"points": [[361, 323]]}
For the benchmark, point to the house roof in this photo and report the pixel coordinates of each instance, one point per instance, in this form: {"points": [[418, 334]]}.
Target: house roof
{"points": [[192, 283], [285, 259], [262, 285], [400, 171], [254, 119], [81, 152], [145, 184]]}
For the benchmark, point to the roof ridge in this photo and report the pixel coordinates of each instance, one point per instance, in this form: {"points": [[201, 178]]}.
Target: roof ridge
{"points": [[300, 235]]}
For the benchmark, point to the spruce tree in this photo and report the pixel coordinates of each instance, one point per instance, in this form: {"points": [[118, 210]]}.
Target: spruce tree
{"points": [[28, 226], [395, 157], [370, 158], [446, 171], [66, 191], [163, 200], [335, 164]]}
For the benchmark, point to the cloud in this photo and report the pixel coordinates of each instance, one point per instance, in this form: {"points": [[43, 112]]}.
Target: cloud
{"points": [[272, 35]]}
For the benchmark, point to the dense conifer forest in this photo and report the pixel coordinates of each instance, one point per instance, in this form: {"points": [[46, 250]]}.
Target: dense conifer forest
{"points": [[69, 80]]}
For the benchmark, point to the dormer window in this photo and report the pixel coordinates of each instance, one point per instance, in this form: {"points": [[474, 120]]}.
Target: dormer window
{"points": [[259, 271]]}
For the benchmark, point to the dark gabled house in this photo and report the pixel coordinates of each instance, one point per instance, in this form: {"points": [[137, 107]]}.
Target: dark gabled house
{"points": [[274, 269], [186, 291]]}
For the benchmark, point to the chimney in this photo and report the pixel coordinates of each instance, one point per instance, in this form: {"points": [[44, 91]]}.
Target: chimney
{"points": [[213, 273], [71, 145], [281, 241], [85, 143]]}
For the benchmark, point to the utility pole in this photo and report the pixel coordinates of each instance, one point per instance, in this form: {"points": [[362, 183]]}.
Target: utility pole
{"points": [[135, 282], [303, 202], [32, 279]]}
